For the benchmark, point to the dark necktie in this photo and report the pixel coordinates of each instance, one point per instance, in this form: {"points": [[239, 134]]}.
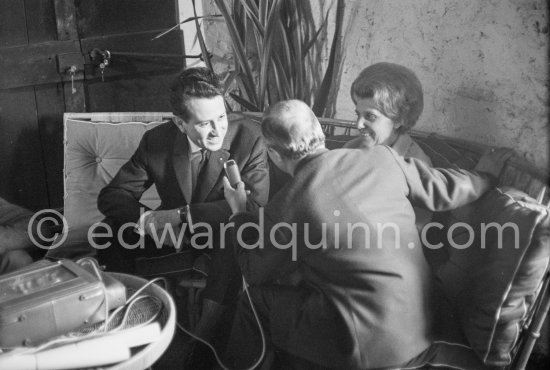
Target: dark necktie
{"points": [[197, 162]]}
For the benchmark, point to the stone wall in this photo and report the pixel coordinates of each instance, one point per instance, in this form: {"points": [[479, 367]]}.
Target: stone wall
{"points": [[483, 64]]}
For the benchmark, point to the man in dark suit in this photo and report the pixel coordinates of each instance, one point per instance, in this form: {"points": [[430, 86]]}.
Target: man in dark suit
{"points": [[185, 160], [335, 265]]}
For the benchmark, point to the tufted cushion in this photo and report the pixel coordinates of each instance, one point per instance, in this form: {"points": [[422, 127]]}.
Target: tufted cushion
{"points": [[94, 152], [492, 283]]}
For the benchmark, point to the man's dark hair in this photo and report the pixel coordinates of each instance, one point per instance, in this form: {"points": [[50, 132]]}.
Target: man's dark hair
{"points": [[196, 82]]}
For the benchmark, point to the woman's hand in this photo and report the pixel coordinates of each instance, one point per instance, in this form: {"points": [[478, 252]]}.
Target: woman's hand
{"points": [[493, 160]]}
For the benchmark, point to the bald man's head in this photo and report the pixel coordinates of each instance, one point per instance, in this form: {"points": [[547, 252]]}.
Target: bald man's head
{"points": [[291, 128]]}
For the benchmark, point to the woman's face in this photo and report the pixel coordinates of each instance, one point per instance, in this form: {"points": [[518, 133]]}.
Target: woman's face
{"points": [[374, 126]]}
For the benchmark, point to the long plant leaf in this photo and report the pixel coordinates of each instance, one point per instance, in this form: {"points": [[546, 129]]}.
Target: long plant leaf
{"points": [[258, 29], [283, 36], [270, 29], [182, 22], [314, 72], [296, 33], [229, 80], [263, 11], [245, 103], [309, 44], [283, 89], [252, 11], [285, 57], [321, 97], [205, 17], [239, 17], [248, 105], [240, 54], [204, 51]]}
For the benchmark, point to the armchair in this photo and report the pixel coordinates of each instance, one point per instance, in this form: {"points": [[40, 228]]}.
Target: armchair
{"points": [[96, 146]]}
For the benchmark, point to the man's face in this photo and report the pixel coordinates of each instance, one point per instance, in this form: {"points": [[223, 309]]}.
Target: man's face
{"points": [[207, 123]]}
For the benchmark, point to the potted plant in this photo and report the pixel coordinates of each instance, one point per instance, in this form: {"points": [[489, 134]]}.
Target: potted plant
{"points": [[276, 56]]}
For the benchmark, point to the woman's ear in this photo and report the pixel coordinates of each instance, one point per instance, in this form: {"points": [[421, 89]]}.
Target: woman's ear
{"points": [[398, 126], [276, 158]]}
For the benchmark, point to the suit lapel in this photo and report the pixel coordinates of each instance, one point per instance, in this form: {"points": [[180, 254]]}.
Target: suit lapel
{"points": [[210, 174], [182, 165]]}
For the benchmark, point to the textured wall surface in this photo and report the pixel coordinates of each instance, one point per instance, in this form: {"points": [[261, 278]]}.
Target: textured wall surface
{"points": [[483, 64]]}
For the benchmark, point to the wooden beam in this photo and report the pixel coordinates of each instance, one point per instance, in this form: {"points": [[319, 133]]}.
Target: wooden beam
{"points": [[67, 29], [33, 64], [49, 108], [40, 22], [75, 100], [135, 53], [21, 161], [13, 27], [65, 15]]}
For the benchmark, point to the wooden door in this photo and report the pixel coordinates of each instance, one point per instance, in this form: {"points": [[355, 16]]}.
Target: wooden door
{"points": [[40, 40]]}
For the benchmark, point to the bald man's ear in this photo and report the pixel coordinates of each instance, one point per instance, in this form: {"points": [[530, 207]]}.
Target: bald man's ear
{"points": [[275, 156], [273, 152]]}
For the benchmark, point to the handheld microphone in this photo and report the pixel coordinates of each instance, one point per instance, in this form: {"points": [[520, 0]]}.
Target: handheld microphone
{"points": [[232, 172]]}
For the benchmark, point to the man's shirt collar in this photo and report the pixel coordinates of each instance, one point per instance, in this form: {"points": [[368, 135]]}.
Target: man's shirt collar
{"points": [[193, 148]]}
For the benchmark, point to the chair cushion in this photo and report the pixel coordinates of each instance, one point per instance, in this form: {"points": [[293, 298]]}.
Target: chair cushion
{"points": [[495, 271], [94, 152]]}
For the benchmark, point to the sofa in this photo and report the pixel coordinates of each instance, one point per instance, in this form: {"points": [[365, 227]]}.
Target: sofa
{"points": [[489, 294]]}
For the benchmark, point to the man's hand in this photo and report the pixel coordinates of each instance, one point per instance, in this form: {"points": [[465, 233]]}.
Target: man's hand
{"points": [[236, 197], [153, 222], [493, 160]]}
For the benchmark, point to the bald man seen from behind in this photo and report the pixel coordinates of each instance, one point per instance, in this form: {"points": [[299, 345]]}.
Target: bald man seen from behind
{"points": [[334, 266]]}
